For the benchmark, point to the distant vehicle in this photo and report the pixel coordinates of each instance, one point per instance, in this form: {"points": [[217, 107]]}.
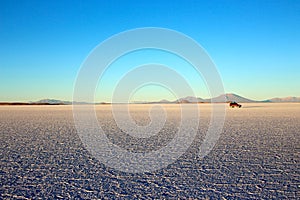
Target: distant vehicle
{"points": [[234, 104]]}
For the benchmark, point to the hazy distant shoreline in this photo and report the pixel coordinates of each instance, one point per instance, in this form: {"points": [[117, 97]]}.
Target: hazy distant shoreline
{"points": [[162, 103], [25, 104], [224, 98]]}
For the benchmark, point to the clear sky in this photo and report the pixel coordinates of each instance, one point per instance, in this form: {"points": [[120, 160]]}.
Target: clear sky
{"points": [[255, 44]]}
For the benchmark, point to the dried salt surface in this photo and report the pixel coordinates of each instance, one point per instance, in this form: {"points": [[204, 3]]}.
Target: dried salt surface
{"points": [[257, 155]]}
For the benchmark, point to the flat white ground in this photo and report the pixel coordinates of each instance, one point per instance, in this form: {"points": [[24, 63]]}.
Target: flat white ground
{"points": [[257, 155]]}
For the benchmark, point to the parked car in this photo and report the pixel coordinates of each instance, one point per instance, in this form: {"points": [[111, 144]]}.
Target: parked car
{"points": [[234, 104]]}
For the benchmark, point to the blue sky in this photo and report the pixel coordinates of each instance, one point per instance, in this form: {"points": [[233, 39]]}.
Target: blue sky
{"points": [[254, 44]]}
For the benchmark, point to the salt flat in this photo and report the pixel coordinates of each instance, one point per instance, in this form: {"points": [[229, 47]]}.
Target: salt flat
{"points": [[257, 155]]}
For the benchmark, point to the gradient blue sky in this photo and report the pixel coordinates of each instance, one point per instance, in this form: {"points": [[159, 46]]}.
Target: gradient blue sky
{"points": [[255, 44]]}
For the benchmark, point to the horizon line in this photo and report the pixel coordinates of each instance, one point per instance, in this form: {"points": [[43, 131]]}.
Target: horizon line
{"points": [[161, 101]]}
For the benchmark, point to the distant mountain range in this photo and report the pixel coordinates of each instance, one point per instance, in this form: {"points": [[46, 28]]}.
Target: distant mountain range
{"points": [[43, 102], [52, 101], [234, 98], [229, 97], [189, 99], [58, 102], [219, 99], [286, 99]]}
